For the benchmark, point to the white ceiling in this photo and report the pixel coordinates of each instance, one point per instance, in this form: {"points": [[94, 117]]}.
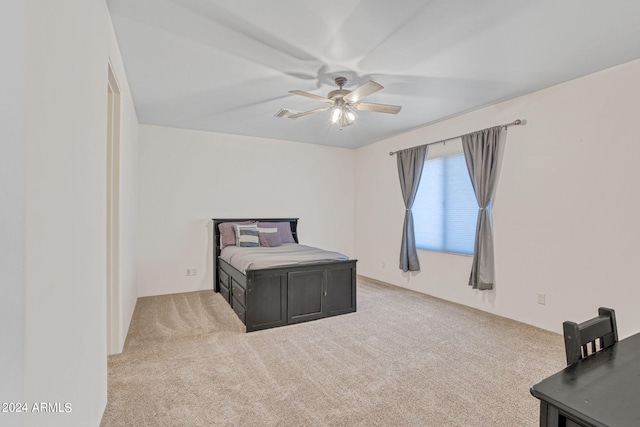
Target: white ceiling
{"points": [[227, 66]]}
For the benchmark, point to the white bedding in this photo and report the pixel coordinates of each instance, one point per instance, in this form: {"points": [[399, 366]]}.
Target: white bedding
{"points": [[253, 258]]}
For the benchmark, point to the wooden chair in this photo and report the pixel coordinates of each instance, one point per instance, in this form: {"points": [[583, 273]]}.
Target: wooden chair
{"points": [[584, 339]]}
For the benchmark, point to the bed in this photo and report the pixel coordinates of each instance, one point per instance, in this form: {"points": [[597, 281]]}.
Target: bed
{"points": [[286, 291]]}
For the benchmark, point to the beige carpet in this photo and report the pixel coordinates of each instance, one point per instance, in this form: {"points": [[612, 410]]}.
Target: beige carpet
{"points": [[404, 359]]}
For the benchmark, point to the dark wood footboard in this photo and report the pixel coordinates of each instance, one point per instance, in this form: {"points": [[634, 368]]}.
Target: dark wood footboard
{"points": [[281, 296]]}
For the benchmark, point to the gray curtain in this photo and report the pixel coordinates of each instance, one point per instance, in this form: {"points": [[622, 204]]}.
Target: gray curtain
{"points": [[481, 151], [410, 163]]}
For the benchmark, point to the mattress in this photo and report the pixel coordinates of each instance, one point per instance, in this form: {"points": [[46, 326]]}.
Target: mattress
{"points": [[254, 258]]}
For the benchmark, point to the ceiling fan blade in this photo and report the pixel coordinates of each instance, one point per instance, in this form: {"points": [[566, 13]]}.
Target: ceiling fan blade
{"points": [[304, 113], [363, 90], [377, 108], [311, 95]]}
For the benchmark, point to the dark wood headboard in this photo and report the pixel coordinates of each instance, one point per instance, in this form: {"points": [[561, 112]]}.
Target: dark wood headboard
{"points": [[293, 223]]}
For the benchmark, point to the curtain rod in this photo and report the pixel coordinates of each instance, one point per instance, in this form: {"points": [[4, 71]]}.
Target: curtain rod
{"points": [[506, 125]]}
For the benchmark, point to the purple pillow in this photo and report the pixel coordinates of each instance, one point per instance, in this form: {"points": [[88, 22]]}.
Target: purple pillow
{"points": [[228, 232], [269, 237], [284, 230]]}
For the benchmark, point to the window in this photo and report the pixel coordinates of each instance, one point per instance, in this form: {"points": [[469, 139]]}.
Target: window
{"points": [[445, 210]]}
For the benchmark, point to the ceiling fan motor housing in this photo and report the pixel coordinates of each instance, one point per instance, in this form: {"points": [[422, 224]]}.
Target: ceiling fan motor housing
{"points": [[338, 93]]}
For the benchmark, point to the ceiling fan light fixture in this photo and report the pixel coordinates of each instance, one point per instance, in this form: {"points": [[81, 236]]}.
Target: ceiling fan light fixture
{"points": [[336, 114], [347, 118], [350, 115]]}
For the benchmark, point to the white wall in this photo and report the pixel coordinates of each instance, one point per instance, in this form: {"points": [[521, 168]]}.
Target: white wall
{"points": [[565, 213], [68, 48], [188, 177], [12, 198]]}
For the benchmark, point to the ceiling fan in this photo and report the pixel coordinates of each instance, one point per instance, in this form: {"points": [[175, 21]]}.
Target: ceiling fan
{"points": [[344, 103]]}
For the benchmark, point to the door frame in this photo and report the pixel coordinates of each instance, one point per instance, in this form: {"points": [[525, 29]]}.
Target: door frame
{"points": [[113, 213]]}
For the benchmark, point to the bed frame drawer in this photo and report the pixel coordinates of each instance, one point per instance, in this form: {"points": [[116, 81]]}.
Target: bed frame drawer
{"points": [[223, 285], [239, 293], [225, 293]]}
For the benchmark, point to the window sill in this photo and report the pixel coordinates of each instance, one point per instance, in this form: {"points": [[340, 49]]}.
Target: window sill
{"points": [[444, 252]]}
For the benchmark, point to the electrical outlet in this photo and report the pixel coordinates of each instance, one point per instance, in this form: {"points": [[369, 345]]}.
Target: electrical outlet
{"points": [[541, 299], [188, 272], [194, 271], [383, 264]]}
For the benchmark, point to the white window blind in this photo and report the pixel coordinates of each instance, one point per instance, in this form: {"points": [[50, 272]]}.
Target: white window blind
{"points": [[445, 209]]}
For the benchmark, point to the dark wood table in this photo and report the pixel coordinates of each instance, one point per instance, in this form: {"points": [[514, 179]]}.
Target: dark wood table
{"points": [[601, 390]]}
